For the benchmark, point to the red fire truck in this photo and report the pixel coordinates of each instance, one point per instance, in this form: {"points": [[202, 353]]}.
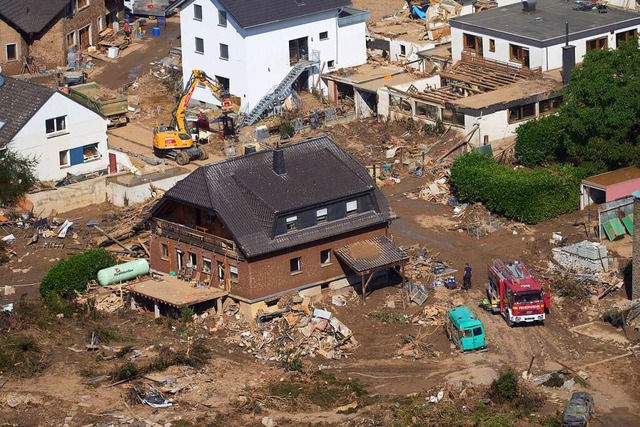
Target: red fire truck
{"points": [[515, 293]]}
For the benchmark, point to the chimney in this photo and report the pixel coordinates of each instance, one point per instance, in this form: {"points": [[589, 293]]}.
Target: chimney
{"points": [[529, 5], [568, 57], [278, 162]]}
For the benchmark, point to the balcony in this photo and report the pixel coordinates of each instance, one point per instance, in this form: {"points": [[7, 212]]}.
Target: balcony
{"points": [[181, 233], [350, 16]]}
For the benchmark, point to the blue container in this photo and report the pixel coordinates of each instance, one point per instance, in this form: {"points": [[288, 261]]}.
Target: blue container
{"points": [[156, 31], [162, 21]]}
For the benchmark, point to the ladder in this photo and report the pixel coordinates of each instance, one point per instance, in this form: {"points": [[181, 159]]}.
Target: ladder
{"points": [[277, 94]]}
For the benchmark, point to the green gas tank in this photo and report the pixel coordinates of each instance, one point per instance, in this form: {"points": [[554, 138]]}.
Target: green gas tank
{"points": [[122, 272]]}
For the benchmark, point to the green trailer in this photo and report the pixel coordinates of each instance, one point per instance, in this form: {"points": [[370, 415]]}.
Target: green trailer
{"points": [[110, 104], [464, 329]]}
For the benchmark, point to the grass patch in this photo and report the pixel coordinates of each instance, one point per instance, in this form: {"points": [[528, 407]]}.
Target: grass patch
{"points": [[386, 317], [107, 335], [20, 356]]}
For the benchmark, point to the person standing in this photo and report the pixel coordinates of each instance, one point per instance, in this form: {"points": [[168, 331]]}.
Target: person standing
{"points": [[466, 278]]}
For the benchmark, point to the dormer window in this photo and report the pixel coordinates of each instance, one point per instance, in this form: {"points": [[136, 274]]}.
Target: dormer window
{"points": [[352, 207], [292, 223], [321, 216]]}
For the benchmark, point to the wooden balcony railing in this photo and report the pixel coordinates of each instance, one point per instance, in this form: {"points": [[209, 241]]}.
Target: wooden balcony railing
{"points": [[195, 237]]}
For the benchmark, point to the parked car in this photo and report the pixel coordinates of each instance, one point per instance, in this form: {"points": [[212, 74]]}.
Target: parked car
{"points": [[579, 410]]}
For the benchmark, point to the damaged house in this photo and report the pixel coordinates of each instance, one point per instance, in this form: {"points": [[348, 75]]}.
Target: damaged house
{"points": [[273, 222]]}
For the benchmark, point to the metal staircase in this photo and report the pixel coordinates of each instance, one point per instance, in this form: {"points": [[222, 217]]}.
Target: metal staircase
{"points": [[278, 93]]}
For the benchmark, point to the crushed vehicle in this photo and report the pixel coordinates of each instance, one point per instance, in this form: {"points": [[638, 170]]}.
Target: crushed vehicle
{"points": [[579, 410]]}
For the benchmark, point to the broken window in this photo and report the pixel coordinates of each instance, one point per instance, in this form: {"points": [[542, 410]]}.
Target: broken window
{"points": [[199, 45], [626, 36], [233, 273], [352, 207], [90, 152], [324, 35], [472, 43], [394, 101], [64, 158], [197, 12], [292, 223], [193, 260], [295, 265], [71, 39], [224, 51], [321, 215], [519, 54], [550, 104], [598, 44], [222, 18], [492, 45], [206, 265], [56, 125], [522, 112], [221, 271], [331, 63], [452, 117], [11, 51], [165, 251], [325, 256], [426, 110], [225, 83]]}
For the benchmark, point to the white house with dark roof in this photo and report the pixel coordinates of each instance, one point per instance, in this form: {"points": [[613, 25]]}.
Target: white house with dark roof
{"points": [[533, 33], [256, 47], [61, 134]]}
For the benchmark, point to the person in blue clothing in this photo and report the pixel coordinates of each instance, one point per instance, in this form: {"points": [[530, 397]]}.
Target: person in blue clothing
{"points": [[466, 278]]}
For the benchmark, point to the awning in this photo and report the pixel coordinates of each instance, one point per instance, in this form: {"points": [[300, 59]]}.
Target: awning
{"points": [[367, 256]]}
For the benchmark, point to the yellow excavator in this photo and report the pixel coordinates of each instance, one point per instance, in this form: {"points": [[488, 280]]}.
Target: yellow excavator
{"points": [[178, 141]]}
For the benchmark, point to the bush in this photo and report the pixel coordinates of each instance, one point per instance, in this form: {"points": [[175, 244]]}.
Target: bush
{"points": [[20, 356], [527, 196], [505, 388], [541, 142], [72, 274]]}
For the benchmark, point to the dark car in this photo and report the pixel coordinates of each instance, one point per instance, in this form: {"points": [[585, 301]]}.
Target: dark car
{"points": [[578, 410]]}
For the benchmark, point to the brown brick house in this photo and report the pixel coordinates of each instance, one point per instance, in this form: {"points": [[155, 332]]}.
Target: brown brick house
{"points": [[46, 29], [272, 221]]}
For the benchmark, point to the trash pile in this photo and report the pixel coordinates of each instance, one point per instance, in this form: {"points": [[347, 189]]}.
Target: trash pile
{"points": [[560, 379], [297, 332], [623, 314], [417, 346]]}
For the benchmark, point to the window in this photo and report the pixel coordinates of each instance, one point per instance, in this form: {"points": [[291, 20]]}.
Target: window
{"points": [[403, 50], [90, 152], [56, 125], [331, 63], [64, 158], [71, 39], [193, 260], [197, 12], [224, 51], [81, 4], [452, 117], [292, 223], [519, 54], [626, 36], [233, 273], [199, 45], [550, 104], [598, 44], [325, 256], [492, 45], [222, 18], [352, 207], [220, 271], [295, 265], [11, 51], [522, 112], [206, 265], [165, 251], [472, 43], [321, 215], [224, 82], [324, 35], [427, 110]]}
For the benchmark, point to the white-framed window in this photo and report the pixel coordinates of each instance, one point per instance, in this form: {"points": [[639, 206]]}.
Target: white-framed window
{"points": [[165, 251], [71, 39], [11, 51], [90, 152], [222, 18], [64, 158], [292, 223], [321, 215], [403, 50], [295, 265], [233, 273], [224, 51], [206, 265], [324, 35], [199, 45], [81, 4], [197, 12], [220, 271], [352, 207], [325, 256], [100, 23], [56, 125]]}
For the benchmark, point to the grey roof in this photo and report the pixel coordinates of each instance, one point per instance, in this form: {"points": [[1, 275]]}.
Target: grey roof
{"points": [[31, 16], [19, 101], [546, 25], [371, 254], [248, 195], [251, 13]]}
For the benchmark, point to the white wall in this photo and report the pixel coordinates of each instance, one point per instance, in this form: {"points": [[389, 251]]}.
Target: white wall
{"points": [[83, 127], [123, 195], [495, 125]]}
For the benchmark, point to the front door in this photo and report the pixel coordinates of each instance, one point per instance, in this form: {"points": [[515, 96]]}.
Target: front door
{"points": [[298, 49]]}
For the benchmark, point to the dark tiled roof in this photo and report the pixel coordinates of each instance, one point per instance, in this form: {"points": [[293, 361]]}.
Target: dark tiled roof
{"points": [[248, 195], [31, 16], [367, 255], [19, 101], [251, 13]]}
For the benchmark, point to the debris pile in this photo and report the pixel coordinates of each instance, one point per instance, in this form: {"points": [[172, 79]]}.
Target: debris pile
{"points": [[583, 256], [417, 346]]}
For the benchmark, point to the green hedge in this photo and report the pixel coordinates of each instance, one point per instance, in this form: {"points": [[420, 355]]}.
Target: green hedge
{"points": [[527, 196], [541, 142], [72, 274]]}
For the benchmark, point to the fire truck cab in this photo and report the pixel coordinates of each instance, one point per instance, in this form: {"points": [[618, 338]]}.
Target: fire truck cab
{"points": [[513, 292]]}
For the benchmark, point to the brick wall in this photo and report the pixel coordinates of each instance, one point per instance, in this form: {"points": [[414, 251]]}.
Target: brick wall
{"points": [[260, 278], [8, 35]]}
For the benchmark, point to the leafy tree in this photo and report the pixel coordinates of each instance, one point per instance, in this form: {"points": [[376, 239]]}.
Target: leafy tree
{"points": [[16, 176], [541, 141]]}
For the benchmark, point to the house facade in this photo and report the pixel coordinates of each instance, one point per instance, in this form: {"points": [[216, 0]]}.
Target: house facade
{"points": [[532, 34], [46, 30], [270, 222], [62, 135], [251, 46]]}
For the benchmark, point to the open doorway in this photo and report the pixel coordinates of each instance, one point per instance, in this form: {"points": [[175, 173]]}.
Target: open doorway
{"points": [[298, 49]]}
